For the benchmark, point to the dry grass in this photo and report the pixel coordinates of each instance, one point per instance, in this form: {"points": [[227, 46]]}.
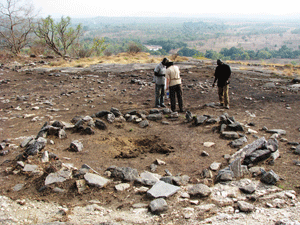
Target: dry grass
{"points": [[121, 58]]}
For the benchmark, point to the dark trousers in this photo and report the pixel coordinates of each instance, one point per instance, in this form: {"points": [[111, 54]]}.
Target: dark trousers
{"points": [[159, 94], [176, 90]]}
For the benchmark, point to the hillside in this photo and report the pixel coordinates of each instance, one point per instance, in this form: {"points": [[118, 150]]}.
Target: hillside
{"points": [[35, 95]]}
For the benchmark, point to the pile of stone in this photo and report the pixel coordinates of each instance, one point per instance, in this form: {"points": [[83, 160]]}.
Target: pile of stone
{"points": [[158, 188]]}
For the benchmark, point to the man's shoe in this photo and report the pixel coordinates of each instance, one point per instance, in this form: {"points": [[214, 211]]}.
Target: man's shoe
{"points": [[163, 105], [221, 104], [157, 106], [227, 107]]}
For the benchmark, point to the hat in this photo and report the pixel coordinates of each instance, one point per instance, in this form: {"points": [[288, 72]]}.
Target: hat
{"points": [[219, 61], [165, 61]]}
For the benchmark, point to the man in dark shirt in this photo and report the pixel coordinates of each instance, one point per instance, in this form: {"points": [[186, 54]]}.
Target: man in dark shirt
{"points": [[222, 75]]}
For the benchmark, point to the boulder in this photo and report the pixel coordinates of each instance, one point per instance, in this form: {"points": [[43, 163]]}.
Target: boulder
{"points": [[270, 178], [158, 206], [124, 173], [59, 176], [96, 180], [76, 146], [162, 189], [200, 190]]}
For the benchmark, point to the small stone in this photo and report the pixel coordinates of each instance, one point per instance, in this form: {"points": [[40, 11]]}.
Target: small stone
{"points": [[245, 206], [215, 166], [122, 187], [76, 146], [208, 144], [158, 205]]}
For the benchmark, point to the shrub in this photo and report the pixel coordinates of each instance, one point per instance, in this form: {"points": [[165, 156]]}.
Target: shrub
{"points": [[133, 48]]}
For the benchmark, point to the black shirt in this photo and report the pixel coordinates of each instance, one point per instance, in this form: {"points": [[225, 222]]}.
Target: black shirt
{"points": [[222, 74]]}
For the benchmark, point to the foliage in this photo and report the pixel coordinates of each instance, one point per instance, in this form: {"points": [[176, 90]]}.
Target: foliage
{"points": [[189, 52], [134, 48], [15, 25], [99, 45], [60, 36]]}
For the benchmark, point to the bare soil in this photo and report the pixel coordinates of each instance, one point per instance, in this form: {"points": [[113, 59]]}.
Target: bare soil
{"points": [[125, 144]]}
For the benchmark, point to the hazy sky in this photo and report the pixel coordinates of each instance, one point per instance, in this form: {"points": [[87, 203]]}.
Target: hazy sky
{"points": [[92, 8]]}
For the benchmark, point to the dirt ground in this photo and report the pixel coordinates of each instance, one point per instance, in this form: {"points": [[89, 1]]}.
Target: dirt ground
{"points": [[126, 144]]}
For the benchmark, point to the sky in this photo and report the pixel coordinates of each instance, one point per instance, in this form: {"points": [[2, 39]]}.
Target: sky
{"points": [[152, 8]]}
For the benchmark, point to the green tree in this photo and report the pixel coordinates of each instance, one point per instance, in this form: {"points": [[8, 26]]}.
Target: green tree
{"points": [[60, 36], [99, 45]]}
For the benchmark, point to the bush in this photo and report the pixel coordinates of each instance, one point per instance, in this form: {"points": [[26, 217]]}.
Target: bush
{"points": [[133, 48]]}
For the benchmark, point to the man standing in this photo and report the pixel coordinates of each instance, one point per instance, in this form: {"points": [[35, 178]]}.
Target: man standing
{"points": [[222, 75], [159, 78], [174, 85]]}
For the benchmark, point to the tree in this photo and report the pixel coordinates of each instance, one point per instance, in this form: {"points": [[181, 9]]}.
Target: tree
{"points": [[16, 19], [58, 36], [99, 45]]}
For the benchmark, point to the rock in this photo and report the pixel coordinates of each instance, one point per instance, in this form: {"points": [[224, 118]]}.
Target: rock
{"points": [[206, 173], [245, 206], [102, 113], [160, 162], [236, 126], [26, 142], [188, 116], [18, 187], [154, 117], [277, 131], [148, 178], [110, 117], [96, 180], [115, 111], [272, 145], [208, 144], [158, 205], [36, 146], [59, 176], [124, 173], [176, 180], [256, 171], [287, 222], [200, 190], [122, 187], [100, 125], [199, 120], [58, 124], [144, 123], [153, 167], [274, 156], [45, 157], [235, 167], [204, 153], [248, 189], [238, 142], [230, 135], [225, 175], [297, 150], [162, 190], [62, 134], [215, 166], [270, 178], [248, 149], [81, 185], [76, 146], [257, 156]]}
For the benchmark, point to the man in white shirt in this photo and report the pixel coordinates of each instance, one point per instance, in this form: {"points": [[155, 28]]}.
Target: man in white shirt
{"points": [[159, 73], [174, 85]]}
